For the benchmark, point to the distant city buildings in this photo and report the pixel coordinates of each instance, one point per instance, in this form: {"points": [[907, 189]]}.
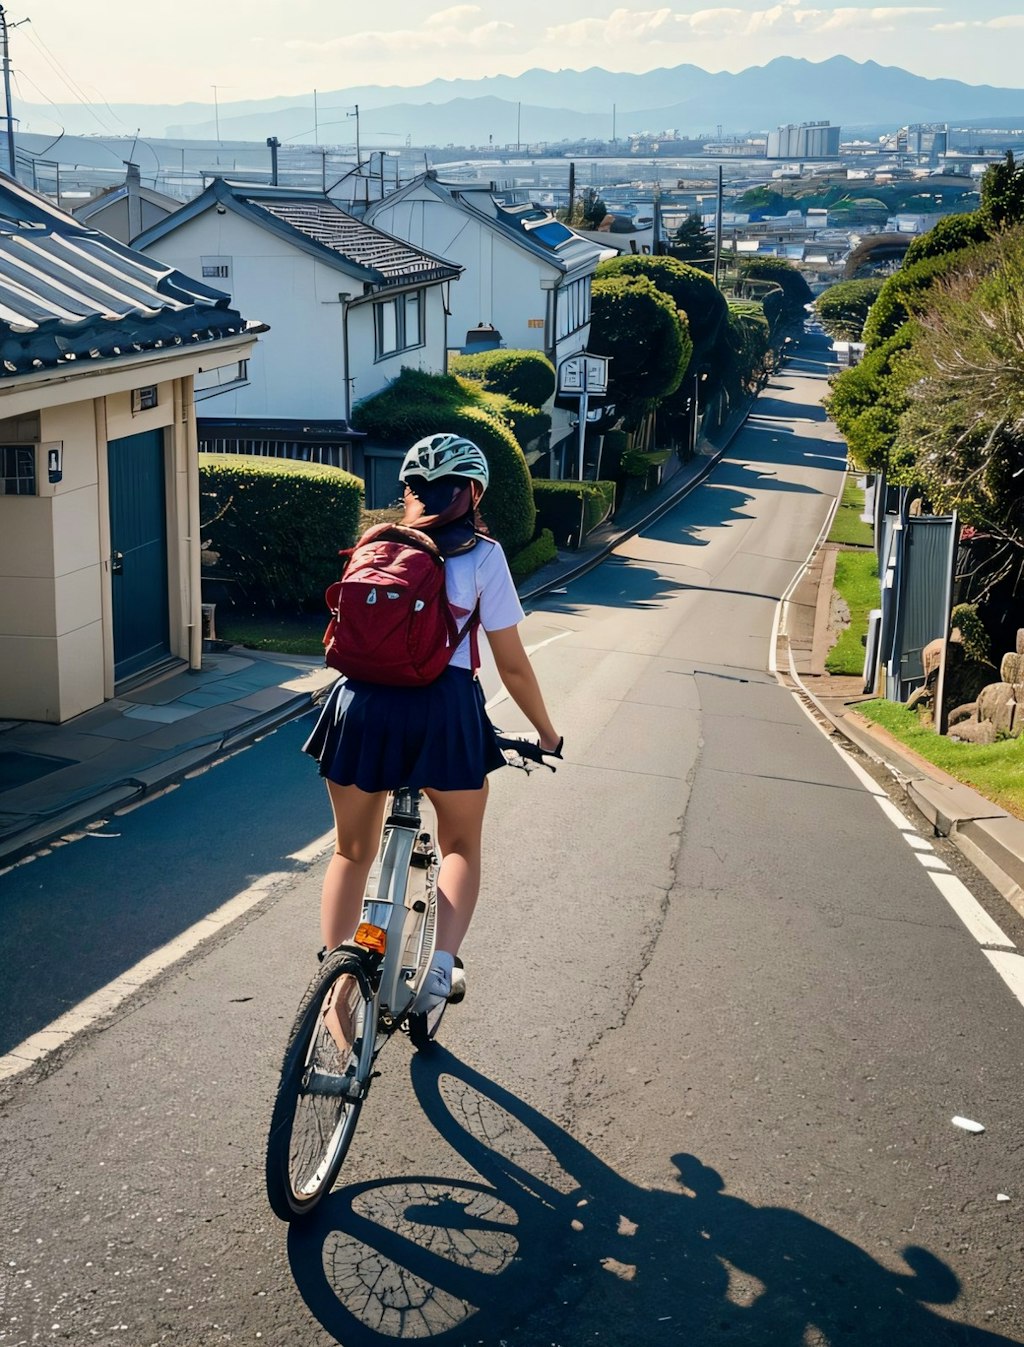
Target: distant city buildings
{"points": [[808, 140]]}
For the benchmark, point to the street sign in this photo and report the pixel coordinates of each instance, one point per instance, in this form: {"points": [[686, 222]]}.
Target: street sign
{"points": [[583, 376], [584, 373]]}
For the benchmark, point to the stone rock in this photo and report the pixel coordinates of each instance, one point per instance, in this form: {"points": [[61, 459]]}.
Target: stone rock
{"points": [[1020, 641], [993, 696], [959, 714], [920, 697], [930, 657], [974, 732], [1011, 670]]}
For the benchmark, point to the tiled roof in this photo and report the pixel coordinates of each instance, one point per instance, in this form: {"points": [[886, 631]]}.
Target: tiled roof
{"points": [[326, 224], [69, 293]]}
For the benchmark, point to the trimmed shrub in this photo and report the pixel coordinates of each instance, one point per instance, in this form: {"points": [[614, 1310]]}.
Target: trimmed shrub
{"points": [[639, 462], [571, 510], [794, 285], [645, 334], [524, 376], [417, 404], [905, 295], [951, 234], [526, 423], [690, 289], [277, 525], [843, 308], [533, 556]]}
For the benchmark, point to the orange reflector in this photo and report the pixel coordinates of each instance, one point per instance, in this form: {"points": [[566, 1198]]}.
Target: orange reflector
{"points": [[371, 937]]}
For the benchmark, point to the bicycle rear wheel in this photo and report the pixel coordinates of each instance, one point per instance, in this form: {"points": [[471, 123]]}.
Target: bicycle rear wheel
{"points": [[323, 1081]]}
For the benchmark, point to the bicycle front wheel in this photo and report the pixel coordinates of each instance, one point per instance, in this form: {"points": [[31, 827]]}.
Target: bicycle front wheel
{"points": [[323, 1080]]}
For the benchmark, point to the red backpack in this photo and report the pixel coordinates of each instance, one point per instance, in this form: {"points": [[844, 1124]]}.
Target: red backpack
{"points": [[391, 621]]}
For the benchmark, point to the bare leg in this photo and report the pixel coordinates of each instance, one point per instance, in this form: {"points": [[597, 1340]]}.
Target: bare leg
{"points": [[357, 821], [460, 818]]}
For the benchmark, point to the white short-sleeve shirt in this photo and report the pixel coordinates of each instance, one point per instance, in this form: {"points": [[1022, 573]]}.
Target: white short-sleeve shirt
{"points": [[481, 574]]}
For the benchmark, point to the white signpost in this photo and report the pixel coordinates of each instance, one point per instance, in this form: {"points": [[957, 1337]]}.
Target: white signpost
{"points": [[583, 376]]}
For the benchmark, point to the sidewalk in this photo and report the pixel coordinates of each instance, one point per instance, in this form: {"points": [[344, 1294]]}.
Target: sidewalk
{"points": [[55, 779]]}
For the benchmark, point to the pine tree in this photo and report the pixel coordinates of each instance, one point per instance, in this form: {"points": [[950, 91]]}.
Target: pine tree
{"points": [[692, 242]]}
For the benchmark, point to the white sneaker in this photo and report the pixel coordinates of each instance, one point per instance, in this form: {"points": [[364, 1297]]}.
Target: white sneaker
{"points": [[435, 989]]}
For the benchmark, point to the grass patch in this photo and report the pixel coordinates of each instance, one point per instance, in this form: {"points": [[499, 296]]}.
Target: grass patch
{"points": [[857, 583], [848, 528], [297, 634], [995, 771]]}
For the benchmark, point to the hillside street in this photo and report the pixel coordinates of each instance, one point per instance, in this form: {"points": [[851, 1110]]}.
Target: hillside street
{"points": [[721, 1013]]}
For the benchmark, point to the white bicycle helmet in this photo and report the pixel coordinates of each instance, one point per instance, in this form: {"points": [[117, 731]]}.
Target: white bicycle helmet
{"points": [[444, 455]]}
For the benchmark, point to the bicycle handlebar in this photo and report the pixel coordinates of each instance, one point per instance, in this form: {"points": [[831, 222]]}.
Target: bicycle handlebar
{"points": [[527, 754]]}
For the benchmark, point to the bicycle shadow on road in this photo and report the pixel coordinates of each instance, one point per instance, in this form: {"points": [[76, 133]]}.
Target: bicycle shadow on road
{"points": [[547, 1246]]}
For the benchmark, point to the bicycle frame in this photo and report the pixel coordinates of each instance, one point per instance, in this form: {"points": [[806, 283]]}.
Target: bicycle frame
{"points": [[399, 913]]}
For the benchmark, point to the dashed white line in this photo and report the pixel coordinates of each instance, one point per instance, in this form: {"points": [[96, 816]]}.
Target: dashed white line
{"points": [[997, 947], [1010, 968], [970, 911]]}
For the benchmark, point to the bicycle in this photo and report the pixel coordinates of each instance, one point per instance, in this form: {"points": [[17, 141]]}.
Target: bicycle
{"points": [[359, 998]]}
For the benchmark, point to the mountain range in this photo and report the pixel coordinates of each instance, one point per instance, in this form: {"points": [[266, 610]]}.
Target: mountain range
{"points": [[551, 106]]}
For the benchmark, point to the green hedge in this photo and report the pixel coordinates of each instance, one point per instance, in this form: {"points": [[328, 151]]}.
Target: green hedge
{"points": [[524, 376], [417, 404], [276, 525], [533, 556], [561, 505]]}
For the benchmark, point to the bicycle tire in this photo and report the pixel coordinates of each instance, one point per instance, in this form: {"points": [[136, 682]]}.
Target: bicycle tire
{"points": [[311, 1129]]}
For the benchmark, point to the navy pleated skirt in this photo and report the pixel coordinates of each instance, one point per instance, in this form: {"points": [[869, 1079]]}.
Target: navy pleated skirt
{"points": [[379, 738]]}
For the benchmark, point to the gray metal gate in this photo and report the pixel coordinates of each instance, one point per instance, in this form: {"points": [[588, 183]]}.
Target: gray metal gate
{"points": [[917, 578]]}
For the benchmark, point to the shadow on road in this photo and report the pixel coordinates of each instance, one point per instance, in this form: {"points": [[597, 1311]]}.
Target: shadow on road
{"points": [[547, 1246]]}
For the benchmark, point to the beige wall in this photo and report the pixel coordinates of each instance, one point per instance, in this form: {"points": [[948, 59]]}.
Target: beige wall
{"points": [[56, 630], [56, 627]]}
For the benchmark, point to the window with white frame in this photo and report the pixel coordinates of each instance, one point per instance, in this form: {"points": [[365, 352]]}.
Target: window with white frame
{"points": [[398, 323], [573, 307]]}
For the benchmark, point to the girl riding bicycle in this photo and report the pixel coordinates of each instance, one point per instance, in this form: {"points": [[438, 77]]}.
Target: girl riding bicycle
{"points": [[371, 738]]}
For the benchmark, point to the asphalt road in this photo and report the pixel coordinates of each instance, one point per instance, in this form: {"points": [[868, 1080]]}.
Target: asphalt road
{"points": [[720, 1017]]}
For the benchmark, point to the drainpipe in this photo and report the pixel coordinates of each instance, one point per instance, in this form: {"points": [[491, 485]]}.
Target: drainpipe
{"points": [[345, 300]]}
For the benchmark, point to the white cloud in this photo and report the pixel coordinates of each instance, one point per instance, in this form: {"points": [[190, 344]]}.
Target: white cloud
{"points": [[625, 27], [1004, 21]]}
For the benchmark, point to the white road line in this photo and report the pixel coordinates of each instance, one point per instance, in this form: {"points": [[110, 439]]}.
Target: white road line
{"points": [[997, 947], [310, 853], [970, 911], [930, 861], [103, 1002], [501, 694], [917, 843], [1010, 968]]}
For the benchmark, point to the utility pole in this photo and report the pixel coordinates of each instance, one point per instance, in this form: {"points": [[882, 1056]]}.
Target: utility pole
{"points": [[718, 228], [216, 112], [356, 116], [4, 29]]}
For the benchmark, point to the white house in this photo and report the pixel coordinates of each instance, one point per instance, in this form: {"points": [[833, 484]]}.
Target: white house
{"points": [[99, 482], [524, 274], [348, 307]]}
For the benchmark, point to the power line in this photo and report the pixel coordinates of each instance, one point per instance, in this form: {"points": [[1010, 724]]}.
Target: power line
{"points": [[70, 83]]}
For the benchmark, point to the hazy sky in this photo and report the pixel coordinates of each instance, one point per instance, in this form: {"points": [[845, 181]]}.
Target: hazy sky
{"points": [[127, 51]]}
